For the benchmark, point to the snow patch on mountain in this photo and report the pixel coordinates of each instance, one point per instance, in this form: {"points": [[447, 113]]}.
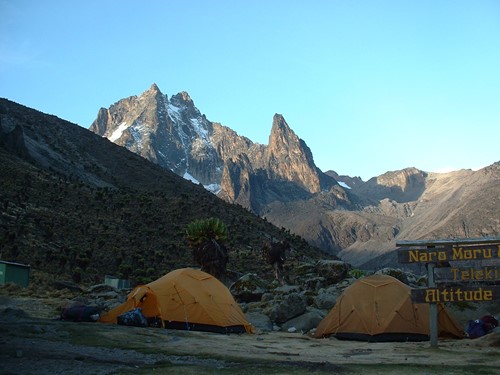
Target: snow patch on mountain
{"points": [[344, 185], [213, 188], [188, 177], [197, 123], [200, 130], [138, 130], [173, 112], [118, 132]]}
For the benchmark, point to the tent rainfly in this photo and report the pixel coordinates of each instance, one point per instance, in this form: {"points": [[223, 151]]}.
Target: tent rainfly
{"points": [[186, 299], [379, 308]]}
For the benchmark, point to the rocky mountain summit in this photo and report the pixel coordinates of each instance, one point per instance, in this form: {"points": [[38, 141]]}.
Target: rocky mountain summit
{"points": [[174, 134], [171, 133], [342, 215]]}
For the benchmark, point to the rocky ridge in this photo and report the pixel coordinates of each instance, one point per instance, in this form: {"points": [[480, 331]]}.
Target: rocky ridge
{"points": [[174, 134]]}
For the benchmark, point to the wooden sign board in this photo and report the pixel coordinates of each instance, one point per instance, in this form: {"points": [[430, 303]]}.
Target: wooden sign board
{"points": [[467, 274], [481, 293], [448, 253]]}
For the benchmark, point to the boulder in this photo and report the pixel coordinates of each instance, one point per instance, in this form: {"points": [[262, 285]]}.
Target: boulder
{"points": [[290, 306], [287, 289], [342, 285], [315, 283], [303, 323], [101, 288], [332, 271], [267, 297], [305, 269], [325, 300], [260, 321], [248, 288], [110, 295]]}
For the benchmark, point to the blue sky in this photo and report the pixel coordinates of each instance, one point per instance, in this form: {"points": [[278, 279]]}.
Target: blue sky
{"points": [[370, 86]]}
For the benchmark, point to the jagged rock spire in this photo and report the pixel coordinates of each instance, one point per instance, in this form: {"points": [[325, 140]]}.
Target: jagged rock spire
{"points": [[154, 87], [289, 158], [182, 99]]}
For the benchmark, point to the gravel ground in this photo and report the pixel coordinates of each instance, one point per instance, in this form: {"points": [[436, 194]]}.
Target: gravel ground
{"points": [[33, 342]]}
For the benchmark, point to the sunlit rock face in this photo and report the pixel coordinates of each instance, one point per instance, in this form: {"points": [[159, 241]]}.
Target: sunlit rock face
{"points": [[174, 134], [287, 157]]}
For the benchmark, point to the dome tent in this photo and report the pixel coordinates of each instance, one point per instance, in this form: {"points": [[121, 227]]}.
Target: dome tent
{"points": [[186, 299], [379, 308]]}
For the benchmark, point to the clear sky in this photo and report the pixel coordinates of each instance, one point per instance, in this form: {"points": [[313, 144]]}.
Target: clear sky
{"points": [[371, 86]]}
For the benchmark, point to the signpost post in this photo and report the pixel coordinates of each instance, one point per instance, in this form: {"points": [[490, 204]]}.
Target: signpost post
{"points": [[439, 253], [433, 312]]}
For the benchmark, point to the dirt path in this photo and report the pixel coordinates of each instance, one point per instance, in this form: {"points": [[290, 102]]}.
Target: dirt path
{"points": [[37, 344]]}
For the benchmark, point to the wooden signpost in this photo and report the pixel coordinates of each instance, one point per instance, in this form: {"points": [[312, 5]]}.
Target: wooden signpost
{"points": [[447, 253], [456, 284], [457, 294]]}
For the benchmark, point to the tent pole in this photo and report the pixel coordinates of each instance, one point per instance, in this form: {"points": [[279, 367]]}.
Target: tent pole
{"points": [[433, 313]]}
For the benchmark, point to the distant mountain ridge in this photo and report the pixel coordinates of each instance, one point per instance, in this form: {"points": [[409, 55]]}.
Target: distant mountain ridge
{"points": [[279, 181]]}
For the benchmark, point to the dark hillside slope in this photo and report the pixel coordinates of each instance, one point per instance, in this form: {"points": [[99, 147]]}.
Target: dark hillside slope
{"points": [[77, 206]]}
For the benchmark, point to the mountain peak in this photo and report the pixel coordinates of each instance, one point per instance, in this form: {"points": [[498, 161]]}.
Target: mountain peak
{"points": [[182, 98], [153, 92], [279, 123], [154, 89], [281, 134], [289, 158]]}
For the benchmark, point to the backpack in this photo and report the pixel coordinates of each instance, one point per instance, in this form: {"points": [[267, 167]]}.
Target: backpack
{"points": [[133, 317], [475, 329], [80, 313]]}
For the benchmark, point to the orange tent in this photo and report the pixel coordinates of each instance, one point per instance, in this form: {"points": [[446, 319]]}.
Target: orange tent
{"points": [[186, 299], [379, 308]]}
